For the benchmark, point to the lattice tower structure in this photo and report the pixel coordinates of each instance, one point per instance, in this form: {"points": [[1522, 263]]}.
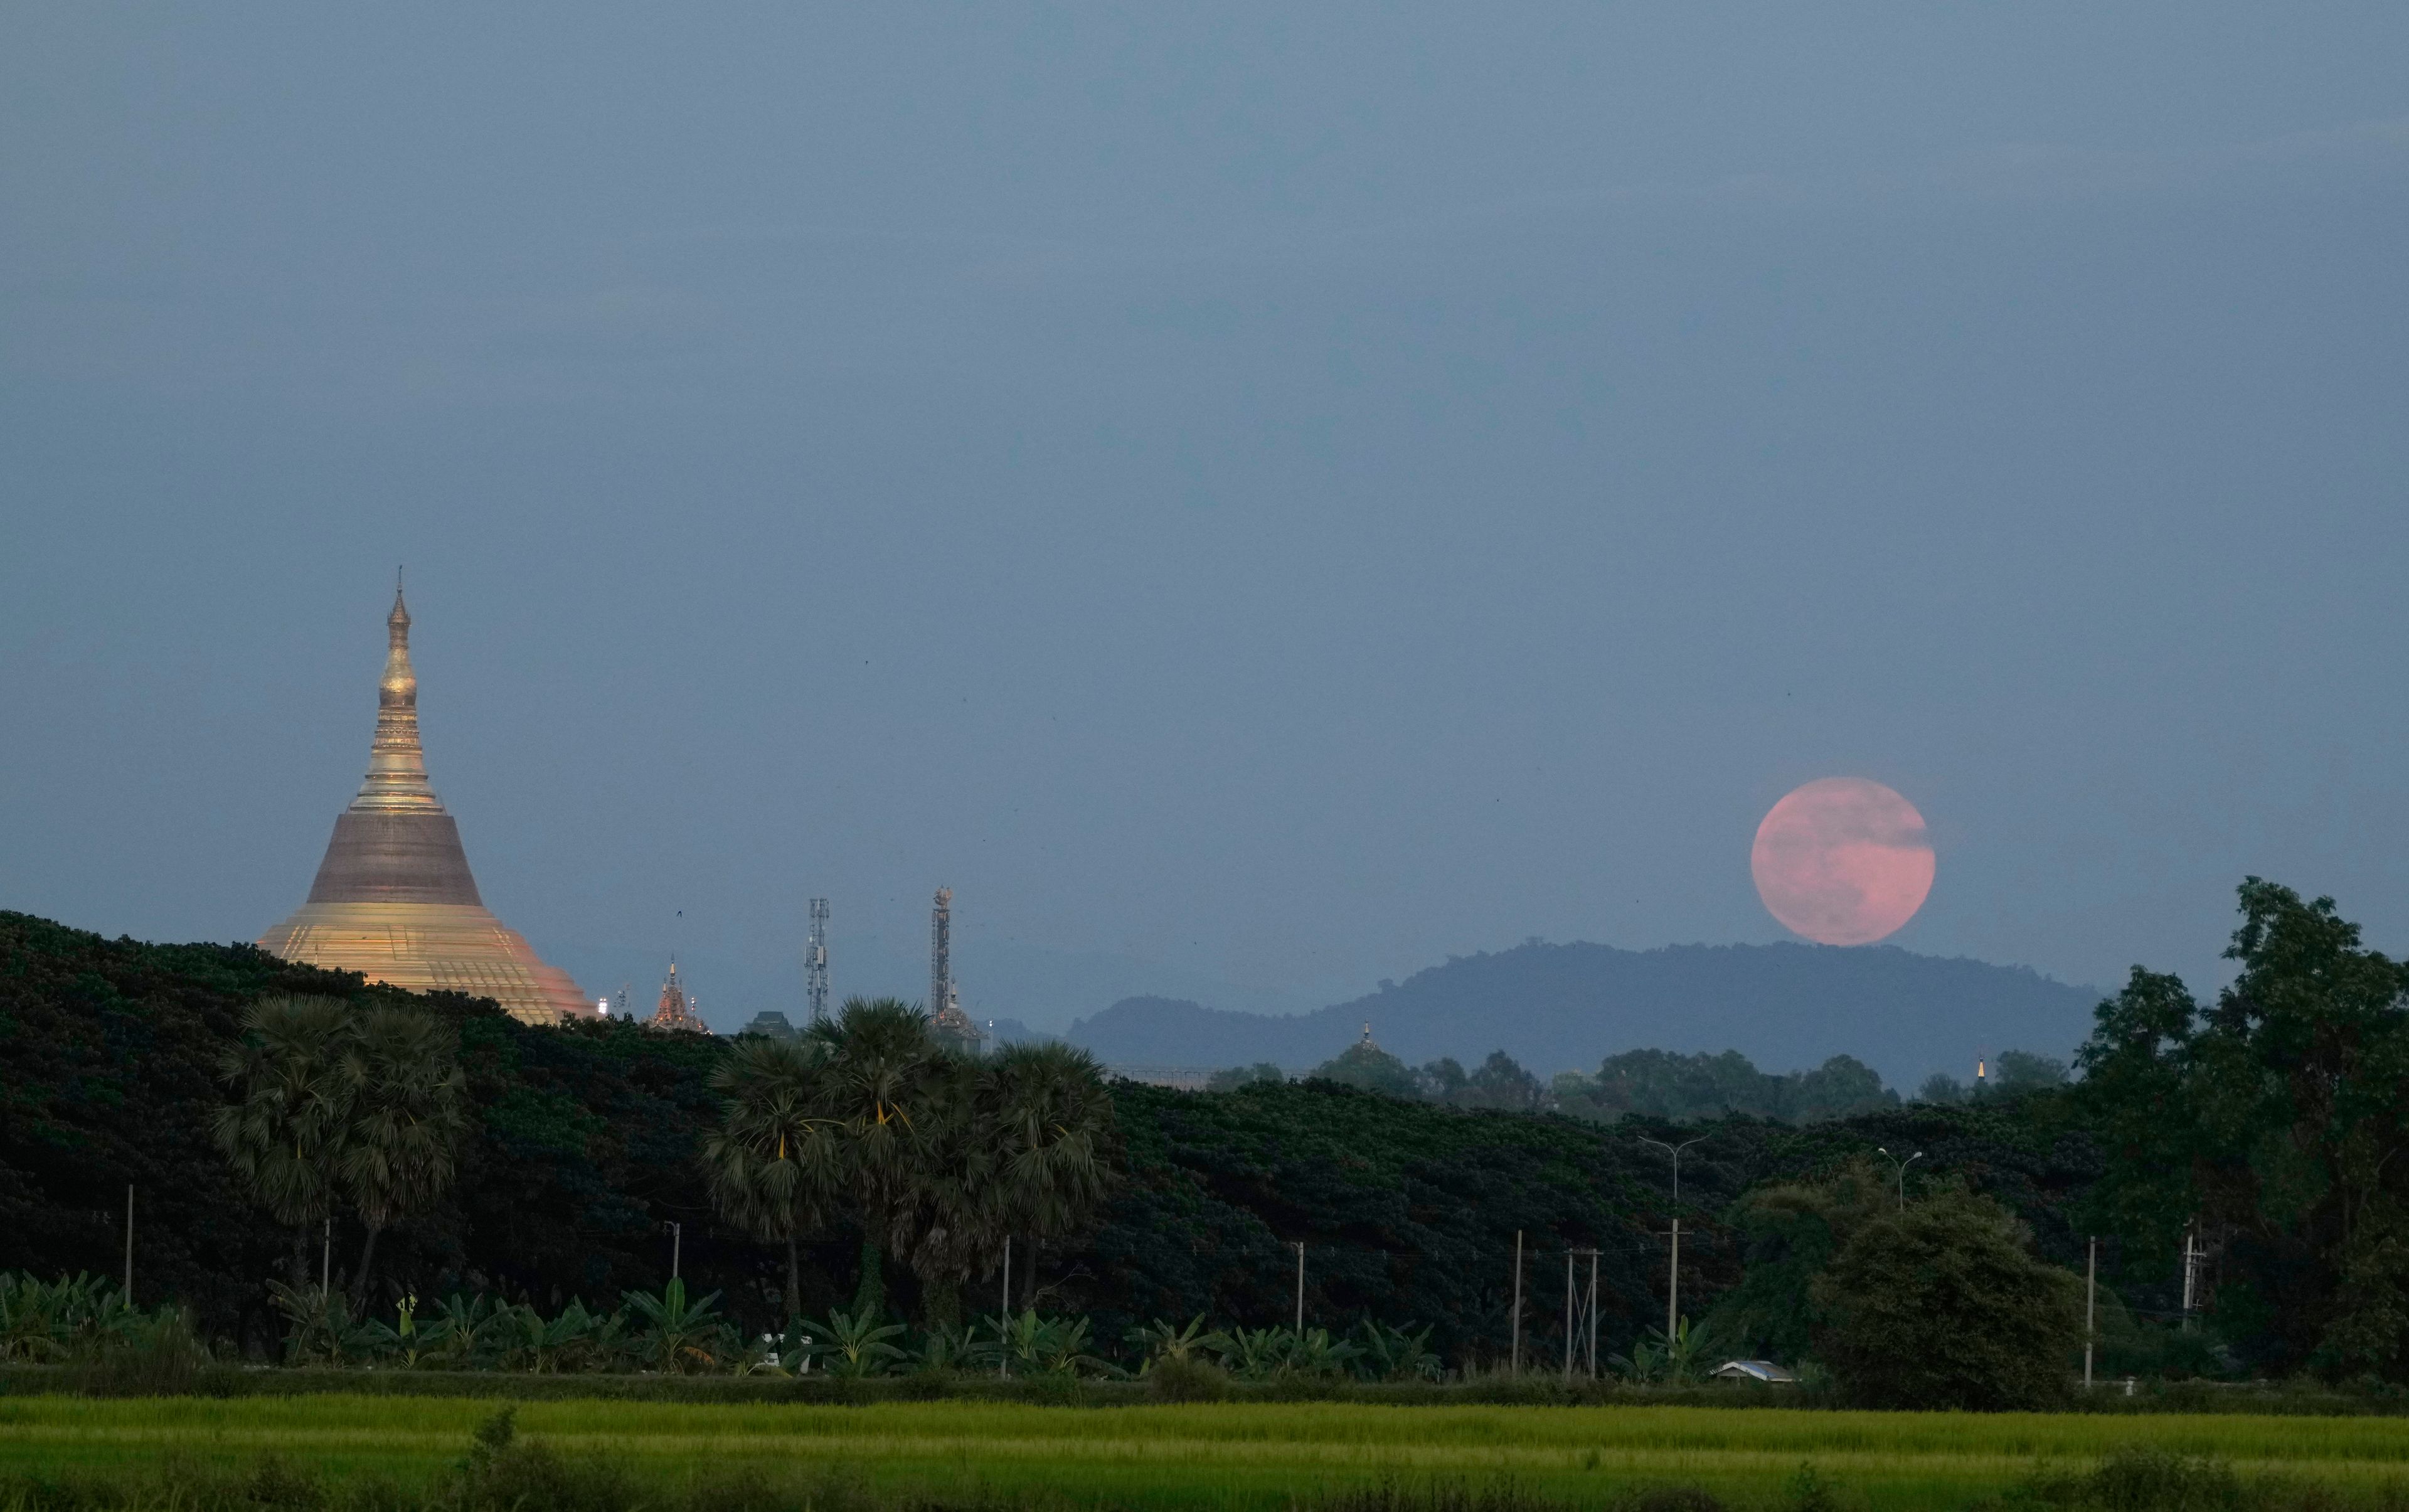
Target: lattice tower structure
{"points": [[815, 961]]}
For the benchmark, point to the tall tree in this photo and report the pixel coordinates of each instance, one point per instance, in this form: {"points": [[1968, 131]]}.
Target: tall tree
{"points": [[778, 1159], [408, 1101], [1056, 1138], [1943, 1307], [286, 1130], [881, 1080], [960, 1212], [2275, 1119], [1791, 1231]]}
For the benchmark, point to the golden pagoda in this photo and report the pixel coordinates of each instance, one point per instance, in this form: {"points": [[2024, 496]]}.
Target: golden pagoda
{"points": [[394, 899]]}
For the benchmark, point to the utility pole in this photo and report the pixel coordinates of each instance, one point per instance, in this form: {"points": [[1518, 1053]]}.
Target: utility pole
{"points": [[1593, 1315], [129, 1243], [1300, 1288], [2191, 1270], [1673, 1291], [1902, 1171], [326, 1261], [1568, 1317], [677, 1244], [1518, 1301], [2090, 1307], [1673, 1298], [1003, 1321]]}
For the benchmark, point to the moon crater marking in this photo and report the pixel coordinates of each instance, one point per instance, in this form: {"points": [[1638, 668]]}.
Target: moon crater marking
{"points": [[1842, 861]]}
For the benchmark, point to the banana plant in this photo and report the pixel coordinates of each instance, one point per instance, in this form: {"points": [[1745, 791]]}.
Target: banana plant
{"points": [[34, 1321], [1257, 1354], [1644, 1364], [319, 1330], [541, 1345], [1019, 1340], [1316, 1356], [856, 1344], [947, 1347], [684, 1336], [1159, 1341], [1654, 1357], [465, 1333], [1062, 1350], [607, 1343], [1395, 1354], [1683, 1351]]}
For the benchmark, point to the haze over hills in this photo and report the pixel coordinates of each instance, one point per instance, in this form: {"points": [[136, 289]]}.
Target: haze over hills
{"points": [[1555, 1007]]}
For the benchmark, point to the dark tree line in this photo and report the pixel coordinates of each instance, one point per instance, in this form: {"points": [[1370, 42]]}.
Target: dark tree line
{"points": [[2264, 1127]]}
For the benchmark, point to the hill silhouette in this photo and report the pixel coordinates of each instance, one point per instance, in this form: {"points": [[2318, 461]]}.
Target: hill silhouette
{"points": [[1557, 1007]]}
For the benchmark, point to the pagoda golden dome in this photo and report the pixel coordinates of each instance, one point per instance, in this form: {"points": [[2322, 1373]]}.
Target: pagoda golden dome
{"points": [[393, 898]]}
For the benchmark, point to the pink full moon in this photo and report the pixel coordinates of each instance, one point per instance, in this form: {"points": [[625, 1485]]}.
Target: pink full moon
{"points": [[1842, 861]]}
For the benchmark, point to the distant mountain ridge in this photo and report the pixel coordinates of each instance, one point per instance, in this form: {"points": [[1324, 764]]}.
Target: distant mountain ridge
{"points": [[1556, 1007]]}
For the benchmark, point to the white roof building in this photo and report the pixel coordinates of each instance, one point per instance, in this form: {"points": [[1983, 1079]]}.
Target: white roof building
{"points": [[1753, 1370]]}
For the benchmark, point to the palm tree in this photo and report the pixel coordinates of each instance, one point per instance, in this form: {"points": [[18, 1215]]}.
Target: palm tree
{"points": [[958, 1219], [882, 1086], [778, 1158], [1054, 1138], [409, 1113], [287, 1129]]}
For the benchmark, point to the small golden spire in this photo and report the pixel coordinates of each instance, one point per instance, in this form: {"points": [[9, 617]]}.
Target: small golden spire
{"points": [[396, 766]]}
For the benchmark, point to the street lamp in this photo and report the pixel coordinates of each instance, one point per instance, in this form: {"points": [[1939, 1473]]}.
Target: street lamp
{"points": [[1902, 1171], [1673, 1291]]}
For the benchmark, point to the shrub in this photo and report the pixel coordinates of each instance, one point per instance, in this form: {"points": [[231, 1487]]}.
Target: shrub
{"points": [[154, 1355], [1188, 1380], [503, 1473], [2137, 1480], [1390, 1495], [1668, 1499]]}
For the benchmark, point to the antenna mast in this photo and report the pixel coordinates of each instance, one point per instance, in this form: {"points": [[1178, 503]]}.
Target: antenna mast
{"points": [[815, 961], [940, 953]]}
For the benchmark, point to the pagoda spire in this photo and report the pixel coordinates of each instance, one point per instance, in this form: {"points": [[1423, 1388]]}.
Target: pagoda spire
{"points": [[677, 1009], [397, 778]]}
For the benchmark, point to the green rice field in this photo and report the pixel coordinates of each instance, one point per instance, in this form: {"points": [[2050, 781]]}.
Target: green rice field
{"points": [[1217, 1455]]}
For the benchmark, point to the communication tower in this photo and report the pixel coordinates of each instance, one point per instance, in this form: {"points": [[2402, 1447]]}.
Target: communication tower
{"points": [[941, 953], [815, 961]]}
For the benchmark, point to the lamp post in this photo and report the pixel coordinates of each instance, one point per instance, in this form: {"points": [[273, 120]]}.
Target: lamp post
{"points": [[2090, 1309], [1902, 1171], [1673, 1290], [1299, 1290]]}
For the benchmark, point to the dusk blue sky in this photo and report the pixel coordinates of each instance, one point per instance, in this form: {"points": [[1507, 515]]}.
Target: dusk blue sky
{"points": [[1256, 499]]}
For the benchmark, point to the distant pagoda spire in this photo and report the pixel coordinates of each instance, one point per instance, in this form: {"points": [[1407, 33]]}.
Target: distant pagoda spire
{"points": [[676, 1010], [946, 1015], [396, 779]]}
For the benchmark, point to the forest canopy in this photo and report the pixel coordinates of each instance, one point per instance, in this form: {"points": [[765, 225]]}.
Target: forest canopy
{"points": [[2257, 1132]]}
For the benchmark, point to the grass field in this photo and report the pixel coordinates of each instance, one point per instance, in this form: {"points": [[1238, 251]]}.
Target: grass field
{"points": [[1221, 1455]]}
